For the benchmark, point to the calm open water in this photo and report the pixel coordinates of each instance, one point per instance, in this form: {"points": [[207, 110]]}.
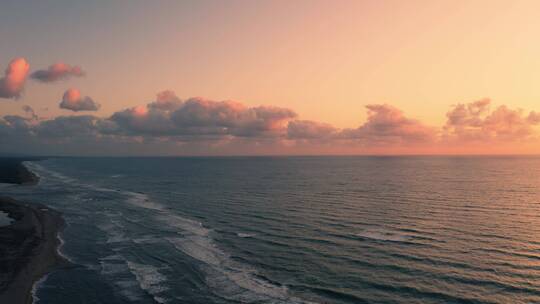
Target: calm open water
{"points": [[293, 229]]}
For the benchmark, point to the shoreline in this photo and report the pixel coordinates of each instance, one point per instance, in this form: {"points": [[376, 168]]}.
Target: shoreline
{"points": [[29, 246]]}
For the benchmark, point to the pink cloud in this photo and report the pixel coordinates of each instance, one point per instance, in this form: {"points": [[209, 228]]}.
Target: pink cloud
{"points": [[475, 122], [74, 101], [534, 118], [12, 84], [387, 125], [58, 71], [170, 116], [203, 125], [310, 130], [166, 100]]}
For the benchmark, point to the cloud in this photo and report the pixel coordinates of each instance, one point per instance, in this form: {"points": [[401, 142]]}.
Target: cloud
{"points": [[69, 126], [15, 122], [170, 116], [166, 101], [170, 125], [143, 121], [387, 125], [533, 118], [310, 130], [476, 122], [15, 132], [230, 117], [56, 72], [30, 112], [468, 114], [12, 84], [74, 101]]}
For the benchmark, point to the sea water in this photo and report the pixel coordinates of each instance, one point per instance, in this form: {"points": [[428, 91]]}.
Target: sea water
{"points": [[293, 229], [5, 220]]}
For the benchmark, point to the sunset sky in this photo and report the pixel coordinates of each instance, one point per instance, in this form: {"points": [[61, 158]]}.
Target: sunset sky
{"points": [[270, 77]]}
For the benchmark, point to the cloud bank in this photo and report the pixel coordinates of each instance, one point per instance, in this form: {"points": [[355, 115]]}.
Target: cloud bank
{"points": [[201, 118], [169, 125], [475, 122], [56, 72], [385, 126], [74, 101], [12, 84]]}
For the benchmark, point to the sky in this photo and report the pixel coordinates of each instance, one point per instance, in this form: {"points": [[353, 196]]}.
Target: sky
{"points": [[269, 77]]}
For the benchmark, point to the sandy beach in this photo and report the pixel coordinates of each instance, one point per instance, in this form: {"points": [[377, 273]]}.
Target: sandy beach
{"points": [[28, 246]]}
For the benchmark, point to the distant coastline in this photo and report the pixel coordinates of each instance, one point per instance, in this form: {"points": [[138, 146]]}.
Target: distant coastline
{"points": [[28, 246]]}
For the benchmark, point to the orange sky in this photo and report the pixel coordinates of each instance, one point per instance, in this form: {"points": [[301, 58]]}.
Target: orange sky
{"points": [[325, 60]]}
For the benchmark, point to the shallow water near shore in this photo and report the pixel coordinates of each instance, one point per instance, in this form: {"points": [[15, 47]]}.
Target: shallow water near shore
{"points": [[293, 230]]}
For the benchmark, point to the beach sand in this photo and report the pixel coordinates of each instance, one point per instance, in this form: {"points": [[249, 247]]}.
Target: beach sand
{"points": [[28, 247]]}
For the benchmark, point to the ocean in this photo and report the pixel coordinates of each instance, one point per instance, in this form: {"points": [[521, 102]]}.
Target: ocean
{"points": [[292, 229]]}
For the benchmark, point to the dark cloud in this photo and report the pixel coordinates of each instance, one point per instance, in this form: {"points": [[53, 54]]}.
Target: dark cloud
{"points": [[57, 71], [69, 126], [15, 122], [12, 84], [15, 134], [74, 101]]}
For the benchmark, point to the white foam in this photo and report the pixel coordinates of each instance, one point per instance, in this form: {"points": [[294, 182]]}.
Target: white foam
{"points": [[229, 279], [225, 276], [147, 277], [150, 239], [129, 289], [60, 246], [150, 280], [37, 285], [41, 171], [185, 225], [142, 200], [116, 237], [113, 235], [29, 166], [245, 235], [108, 268], [200, 249], [113, 228]]}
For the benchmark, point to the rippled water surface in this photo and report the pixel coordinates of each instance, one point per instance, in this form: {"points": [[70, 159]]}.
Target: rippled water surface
{"points": [[294, 229]]}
